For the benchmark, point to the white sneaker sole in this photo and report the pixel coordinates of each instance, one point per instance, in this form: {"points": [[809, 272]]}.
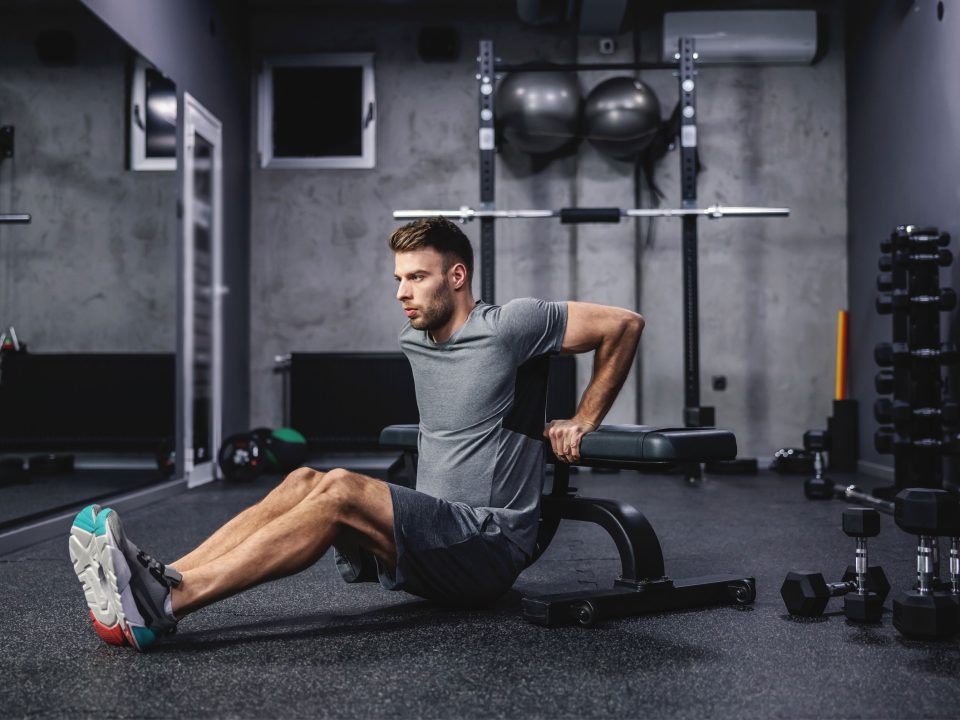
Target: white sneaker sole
{"points": [[105, 577]]}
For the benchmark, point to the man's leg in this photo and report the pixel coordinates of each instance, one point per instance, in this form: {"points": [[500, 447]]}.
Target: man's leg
{"points": [[294, 488], [338, 502]]}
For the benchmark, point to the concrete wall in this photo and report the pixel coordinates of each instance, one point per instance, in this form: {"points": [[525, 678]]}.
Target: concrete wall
{"points": [[202, 46], [904, 138], [321, 273], [95, 270]]}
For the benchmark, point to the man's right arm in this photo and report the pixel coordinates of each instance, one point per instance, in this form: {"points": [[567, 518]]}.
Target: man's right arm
{"points": [[613, 334]]}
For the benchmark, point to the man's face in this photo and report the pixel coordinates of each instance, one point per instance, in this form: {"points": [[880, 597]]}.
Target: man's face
{"points": [[423, 288]]}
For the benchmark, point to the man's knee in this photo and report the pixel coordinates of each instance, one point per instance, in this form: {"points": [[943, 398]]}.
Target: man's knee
{"points": [[337, 489], [300, 483]]}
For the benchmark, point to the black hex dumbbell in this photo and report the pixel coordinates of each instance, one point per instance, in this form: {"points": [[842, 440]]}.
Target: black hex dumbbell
{"points": [[806, 594], [892, 354], [899, 354], [818, 487], [942, 258], [925, 612], [883, 382], [945, 300], [866, 604], [887, 441], [888, 411]]}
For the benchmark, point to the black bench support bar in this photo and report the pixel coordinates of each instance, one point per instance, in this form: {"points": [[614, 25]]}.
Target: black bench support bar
{"points": [[586, 608]]}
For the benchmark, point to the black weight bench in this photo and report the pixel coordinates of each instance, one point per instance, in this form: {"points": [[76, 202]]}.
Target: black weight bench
{"points": [[643, 586]]}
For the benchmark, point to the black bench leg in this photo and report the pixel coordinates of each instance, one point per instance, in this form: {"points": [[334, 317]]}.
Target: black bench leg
{"points": [[587, 608]]}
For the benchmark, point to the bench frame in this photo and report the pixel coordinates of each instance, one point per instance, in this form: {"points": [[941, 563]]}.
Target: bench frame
{"points": [[643, 586]]}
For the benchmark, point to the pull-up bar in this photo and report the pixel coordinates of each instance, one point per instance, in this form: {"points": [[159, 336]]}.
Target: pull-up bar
{"points": [[580, 67], [594, 215]]}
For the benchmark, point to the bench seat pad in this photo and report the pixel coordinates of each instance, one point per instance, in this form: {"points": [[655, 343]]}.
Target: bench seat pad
{"points": [[632, 443]]}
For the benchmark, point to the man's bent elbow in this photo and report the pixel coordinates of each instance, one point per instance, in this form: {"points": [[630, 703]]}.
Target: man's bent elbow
{"points": [[634, 324]]}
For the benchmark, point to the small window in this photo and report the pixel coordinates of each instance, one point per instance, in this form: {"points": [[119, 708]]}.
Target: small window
{"points": [[317, 111], [153, 119]]}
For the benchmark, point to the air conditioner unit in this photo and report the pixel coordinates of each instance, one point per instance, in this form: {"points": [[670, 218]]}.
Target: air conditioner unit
{"points": [[744, 36]]}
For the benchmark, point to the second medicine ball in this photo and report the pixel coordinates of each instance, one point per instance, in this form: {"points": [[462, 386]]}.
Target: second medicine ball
{"points": [[621, 117], [538, 112]]}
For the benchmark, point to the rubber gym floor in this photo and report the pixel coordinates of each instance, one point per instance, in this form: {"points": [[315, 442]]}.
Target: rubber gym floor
{"points": [[312, 646]]}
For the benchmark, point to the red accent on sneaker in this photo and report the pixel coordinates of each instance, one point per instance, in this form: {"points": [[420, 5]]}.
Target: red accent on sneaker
{"points": [[113, 635]]}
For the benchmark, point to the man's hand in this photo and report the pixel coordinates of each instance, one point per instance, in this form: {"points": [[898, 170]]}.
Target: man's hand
{"points": [[565, 437]]}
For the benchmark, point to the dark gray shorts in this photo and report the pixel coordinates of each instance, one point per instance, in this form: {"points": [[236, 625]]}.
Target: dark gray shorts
{"points": [[446, 552]]}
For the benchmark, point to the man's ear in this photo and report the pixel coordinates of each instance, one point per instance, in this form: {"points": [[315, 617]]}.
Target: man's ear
{"points": [[459, 271]]}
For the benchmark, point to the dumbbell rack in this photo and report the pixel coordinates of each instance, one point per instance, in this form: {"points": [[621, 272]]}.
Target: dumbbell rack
{"points": [[915, 418]]}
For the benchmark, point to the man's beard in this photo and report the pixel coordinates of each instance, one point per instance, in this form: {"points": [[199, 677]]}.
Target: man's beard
{"points": [[437, 313]]}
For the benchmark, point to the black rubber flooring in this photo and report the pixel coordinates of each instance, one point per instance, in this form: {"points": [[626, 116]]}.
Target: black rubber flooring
{"points": [[312, 646]]}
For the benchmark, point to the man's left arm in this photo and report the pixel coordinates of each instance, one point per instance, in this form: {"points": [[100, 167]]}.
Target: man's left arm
{"points": [[613, 334]]}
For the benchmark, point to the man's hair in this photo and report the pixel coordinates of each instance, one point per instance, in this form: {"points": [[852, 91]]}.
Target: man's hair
{"points": [[437, 233]]}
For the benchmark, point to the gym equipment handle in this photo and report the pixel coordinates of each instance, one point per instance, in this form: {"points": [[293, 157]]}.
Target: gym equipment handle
{"points": [[569, 216]]}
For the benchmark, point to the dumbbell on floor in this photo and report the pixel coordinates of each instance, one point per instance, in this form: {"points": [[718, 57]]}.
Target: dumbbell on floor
{"points": [[818, 487], [806, 594]]}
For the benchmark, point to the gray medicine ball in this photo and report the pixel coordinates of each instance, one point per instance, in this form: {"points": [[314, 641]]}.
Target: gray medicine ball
{"points": [[538, 112], [621, 117]]}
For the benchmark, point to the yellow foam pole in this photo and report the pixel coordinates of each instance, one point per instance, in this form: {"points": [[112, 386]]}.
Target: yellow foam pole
{"points": [[841, 392]]}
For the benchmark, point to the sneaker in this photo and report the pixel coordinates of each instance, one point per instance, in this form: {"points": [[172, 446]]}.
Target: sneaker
{"points": [[126, 589]]}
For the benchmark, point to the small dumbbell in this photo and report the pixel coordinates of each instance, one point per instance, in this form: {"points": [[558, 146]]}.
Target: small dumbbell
{"points": [[888, 411], [886, 441], [806, 593], [883, 382], [887, 302], [892, 354], [866, 604], [900, 354], [818, 487], [925, 612]]}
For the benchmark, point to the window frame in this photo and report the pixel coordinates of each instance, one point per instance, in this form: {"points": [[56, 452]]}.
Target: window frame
{"points": [[368, 133]]}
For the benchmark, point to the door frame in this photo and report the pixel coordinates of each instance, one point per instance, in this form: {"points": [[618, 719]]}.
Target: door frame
{"points": [[197, 120]]}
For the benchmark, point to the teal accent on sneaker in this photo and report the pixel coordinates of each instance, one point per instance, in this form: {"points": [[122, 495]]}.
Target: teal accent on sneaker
{"points": [[86, 518], [144, 636], [100, 526]]}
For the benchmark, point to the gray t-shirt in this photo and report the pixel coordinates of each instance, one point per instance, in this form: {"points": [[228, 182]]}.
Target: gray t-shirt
{"points": [[481, 395]]}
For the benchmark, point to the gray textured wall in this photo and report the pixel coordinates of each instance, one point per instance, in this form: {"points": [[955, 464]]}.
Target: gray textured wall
{"points": [[202, 46], [904, 137], [95, 270], [321, 273]]}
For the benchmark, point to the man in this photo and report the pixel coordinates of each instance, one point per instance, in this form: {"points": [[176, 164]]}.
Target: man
{"points": [[468, 530]]}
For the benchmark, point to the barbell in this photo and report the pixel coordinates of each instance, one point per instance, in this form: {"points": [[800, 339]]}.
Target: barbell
{"points": [[594, 215]]}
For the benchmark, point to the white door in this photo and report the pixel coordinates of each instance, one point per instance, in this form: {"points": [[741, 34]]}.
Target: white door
{"points": [[201, 370]]}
